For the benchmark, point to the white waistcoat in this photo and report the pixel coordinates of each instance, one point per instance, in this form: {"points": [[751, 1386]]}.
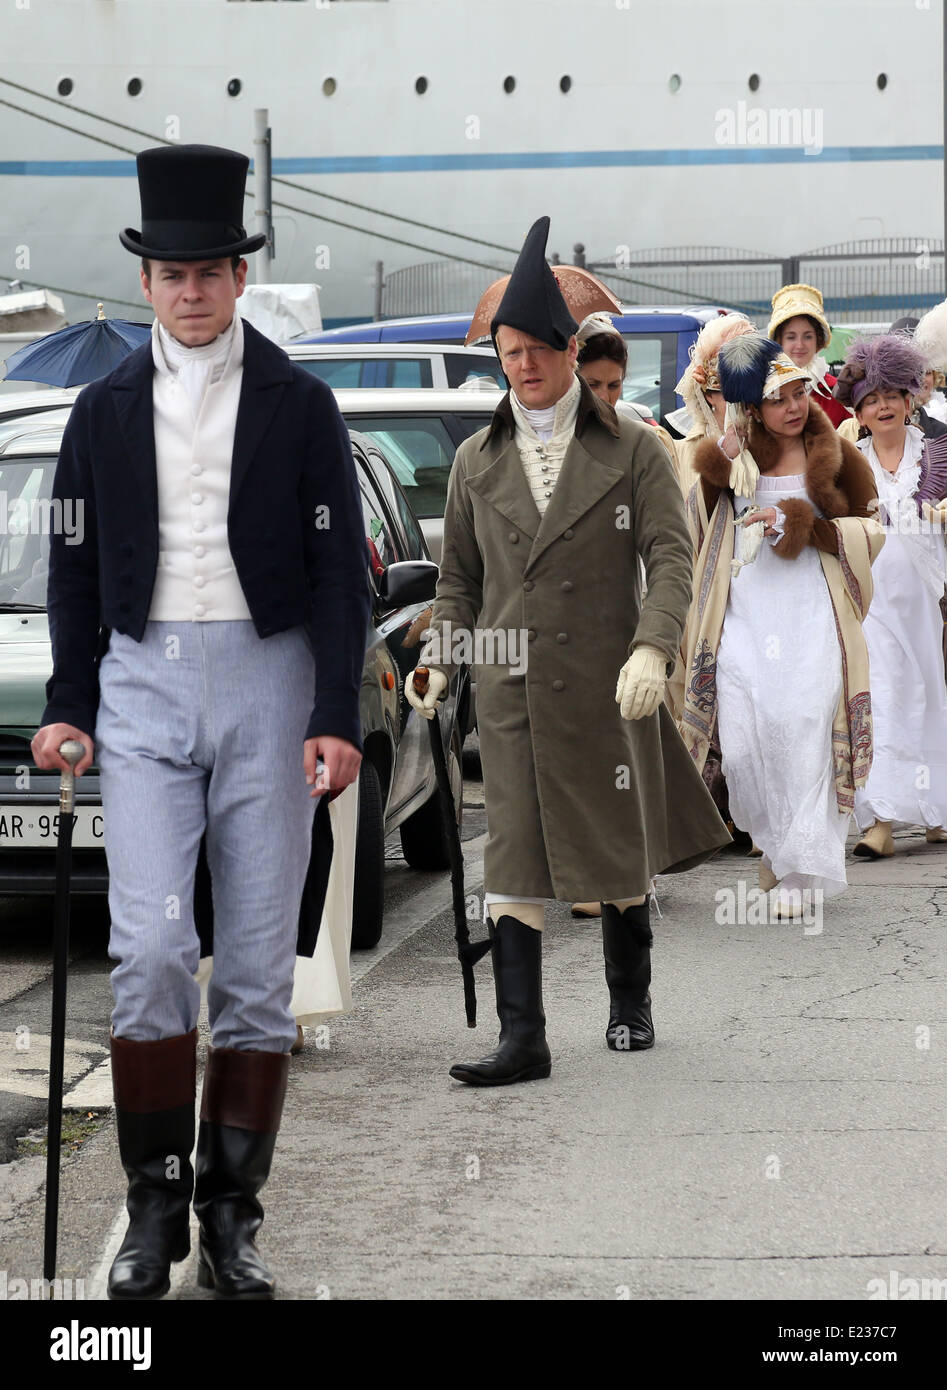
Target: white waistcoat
{"points": [[542, 454], [196, 580]]}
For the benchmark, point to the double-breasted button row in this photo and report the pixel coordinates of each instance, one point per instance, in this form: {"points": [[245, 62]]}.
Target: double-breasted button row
{"points": [[567, 586], [528, 586], [513, 538], [562, 637], [558, 685]]}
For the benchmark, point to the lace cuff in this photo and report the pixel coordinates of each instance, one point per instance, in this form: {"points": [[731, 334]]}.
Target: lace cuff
{"points": [[778, 526]]}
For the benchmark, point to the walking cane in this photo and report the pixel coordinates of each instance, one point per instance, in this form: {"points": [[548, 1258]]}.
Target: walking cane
{"points": [[468, 953], [72, 751]]}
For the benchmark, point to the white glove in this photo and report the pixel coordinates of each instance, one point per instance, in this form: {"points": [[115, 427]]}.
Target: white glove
{"points": [[641, 683], [744, 474], [437, 684]]}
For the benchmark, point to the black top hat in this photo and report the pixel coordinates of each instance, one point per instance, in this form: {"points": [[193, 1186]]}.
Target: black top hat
{"points": [[191, 205], [532, 301]]}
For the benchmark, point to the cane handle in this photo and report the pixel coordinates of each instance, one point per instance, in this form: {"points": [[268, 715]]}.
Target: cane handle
{"points": [[71, 750], [422, 677]]}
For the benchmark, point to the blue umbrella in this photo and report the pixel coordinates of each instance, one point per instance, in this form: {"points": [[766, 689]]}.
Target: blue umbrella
{"points": [[78, 354]]}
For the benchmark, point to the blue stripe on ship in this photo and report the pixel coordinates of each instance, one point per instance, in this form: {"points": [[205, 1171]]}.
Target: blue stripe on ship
{"points": [[552, 159]]}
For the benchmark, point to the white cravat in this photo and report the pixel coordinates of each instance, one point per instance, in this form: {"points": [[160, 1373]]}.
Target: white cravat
{"points": [[194, 367]]}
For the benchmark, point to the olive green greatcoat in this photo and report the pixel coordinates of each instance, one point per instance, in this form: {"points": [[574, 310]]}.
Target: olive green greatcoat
{"points": [[580, 803]]}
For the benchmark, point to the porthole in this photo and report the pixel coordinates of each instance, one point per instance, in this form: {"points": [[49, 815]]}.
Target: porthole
{"points": [[234, 87], [509, 83], [674, 82], [754, 82], [64, 86], [882, 81], [329, 86], [134, 86], [420, 86], [565, 83]]}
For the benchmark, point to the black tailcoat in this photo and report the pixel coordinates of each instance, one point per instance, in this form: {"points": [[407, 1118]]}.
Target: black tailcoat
{"points": [[294, 526]]}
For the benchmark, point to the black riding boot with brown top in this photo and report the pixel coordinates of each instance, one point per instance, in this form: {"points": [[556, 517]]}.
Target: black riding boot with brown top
{"points": [[240, 1116], [154, 1085]]}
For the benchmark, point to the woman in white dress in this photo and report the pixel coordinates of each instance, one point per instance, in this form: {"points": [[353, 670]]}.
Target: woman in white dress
{"points": [[778, 668], [908, 781]]}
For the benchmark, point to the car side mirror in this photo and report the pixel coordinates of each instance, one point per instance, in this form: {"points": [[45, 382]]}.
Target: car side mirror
{"points": [[408, 581]]}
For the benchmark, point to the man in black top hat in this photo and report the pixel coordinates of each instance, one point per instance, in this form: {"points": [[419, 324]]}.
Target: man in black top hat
{"points": [[208, 634]]}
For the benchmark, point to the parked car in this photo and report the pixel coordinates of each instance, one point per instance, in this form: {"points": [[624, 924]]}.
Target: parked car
{"points": [[391, 365], [397, 786], [419, 432], [659, 342]]}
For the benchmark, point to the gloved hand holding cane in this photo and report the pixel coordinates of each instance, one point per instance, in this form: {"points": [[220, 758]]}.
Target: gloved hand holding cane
{"points": [[423, 688]]}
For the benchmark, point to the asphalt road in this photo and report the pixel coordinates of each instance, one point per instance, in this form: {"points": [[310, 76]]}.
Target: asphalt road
{"points": [[784, 1139]]}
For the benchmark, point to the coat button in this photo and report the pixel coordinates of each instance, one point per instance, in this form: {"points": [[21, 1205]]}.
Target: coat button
{"points": [[567, 535], [566, 586], [531, 635], [558, 685], [562, 637], [513, 538], [528, 585]]}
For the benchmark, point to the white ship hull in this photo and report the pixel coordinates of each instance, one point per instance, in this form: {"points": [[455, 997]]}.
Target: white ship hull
{"points": [[618, 161]]}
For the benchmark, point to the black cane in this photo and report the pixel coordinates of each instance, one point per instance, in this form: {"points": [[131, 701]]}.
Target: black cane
{"points": [[467, 953], [72, 751]]}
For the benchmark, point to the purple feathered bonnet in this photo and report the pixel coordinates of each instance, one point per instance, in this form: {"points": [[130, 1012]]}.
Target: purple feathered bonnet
{"points": [[888, 363]]}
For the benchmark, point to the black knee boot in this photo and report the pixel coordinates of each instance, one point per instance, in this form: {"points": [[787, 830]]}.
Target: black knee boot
{"points": [[627, 938], [240, 1115], [154, 1087], [523, 1054]]}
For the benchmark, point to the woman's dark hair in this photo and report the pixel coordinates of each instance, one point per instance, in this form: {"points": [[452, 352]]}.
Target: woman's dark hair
{"points": [[610, 345], [821, 340]]}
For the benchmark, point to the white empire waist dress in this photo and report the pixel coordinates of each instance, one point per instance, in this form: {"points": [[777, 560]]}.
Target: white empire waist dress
{"points": [[779, 678], [904, 631]]}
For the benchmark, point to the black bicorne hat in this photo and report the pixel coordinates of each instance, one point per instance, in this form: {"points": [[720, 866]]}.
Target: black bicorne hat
{"points": [[532, 300], [191, 205]]}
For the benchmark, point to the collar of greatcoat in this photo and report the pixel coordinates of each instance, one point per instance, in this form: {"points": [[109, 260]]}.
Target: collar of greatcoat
{"points": [[585, 476]]}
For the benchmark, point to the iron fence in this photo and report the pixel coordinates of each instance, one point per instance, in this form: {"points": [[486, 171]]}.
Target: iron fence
{"points": [[877, 280]]}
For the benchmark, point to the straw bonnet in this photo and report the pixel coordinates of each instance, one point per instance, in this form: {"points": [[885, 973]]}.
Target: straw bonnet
{"points": [[793, 300]]}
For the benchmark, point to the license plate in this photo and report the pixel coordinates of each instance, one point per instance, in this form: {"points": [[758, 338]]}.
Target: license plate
{"points": [[37, 827]]}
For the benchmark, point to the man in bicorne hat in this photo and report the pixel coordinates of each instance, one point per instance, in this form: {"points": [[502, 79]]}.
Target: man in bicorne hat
{"points": [[209, 634], [589, 790]]}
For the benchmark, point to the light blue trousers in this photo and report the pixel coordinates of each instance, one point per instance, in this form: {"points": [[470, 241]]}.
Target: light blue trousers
{"points": [[201, 728]]}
